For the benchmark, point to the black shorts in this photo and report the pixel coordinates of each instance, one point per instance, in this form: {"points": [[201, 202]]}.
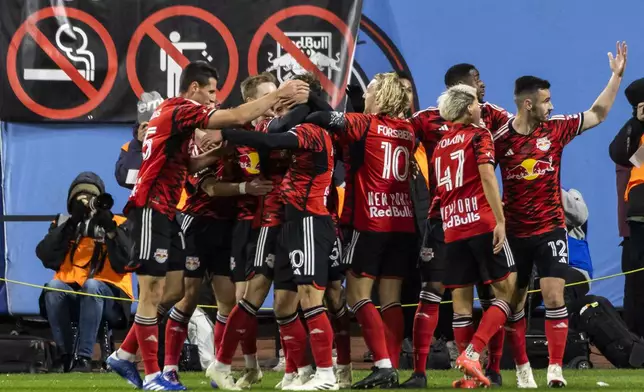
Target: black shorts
{"points": [[264, 250], [472, 261], [381, 255], [303, 256], [208, 246], [337, 267], [242, 256], [548, 251], [158, 241], [432, 260]]}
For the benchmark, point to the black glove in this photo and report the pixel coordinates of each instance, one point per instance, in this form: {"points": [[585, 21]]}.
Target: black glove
{"points": [[78, 210], [103, 218]]}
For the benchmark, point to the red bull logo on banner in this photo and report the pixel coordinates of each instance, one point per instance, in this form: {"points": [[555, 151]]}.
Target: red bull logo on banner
{"points": [[249, 162], [317, 46], [529, 169]]}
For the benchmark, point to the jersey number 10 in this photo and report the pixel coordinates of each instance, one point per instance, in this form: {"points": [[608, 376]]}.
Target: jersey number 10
{"points": [[392, 162], [446, 179]]}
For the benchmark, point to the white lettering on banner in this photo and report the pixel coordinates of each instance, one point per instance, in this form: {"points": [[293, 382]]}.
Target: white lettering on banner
{"points": [[383, 204], [456, 139], [395, 133], [460, 212]]}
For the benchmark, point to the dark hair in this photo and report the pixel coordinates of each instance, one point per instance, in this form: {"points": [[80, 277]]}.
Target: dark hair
{"points": [[403, 75], [530, 84], [312, 80], [457, 73], [249, 85], [197, 71]]}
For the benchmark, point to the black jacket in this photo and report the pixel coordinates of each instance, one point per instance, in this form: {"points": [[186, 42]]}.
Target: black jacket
{"points": [[129, 159]]}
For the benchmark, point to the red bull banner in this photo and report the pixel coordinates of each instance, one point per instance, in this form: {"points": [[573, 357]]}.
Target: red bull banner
{"points": [[91, 60]]}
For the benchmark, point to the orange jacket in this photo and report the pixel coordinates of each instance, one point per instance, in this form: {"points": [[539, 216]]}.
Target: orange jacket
{"points": [[636, 178], [73, 273]]}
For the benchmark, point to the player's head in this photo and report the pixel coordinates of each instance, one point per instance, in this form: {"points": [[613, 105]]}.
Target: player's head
{"points": [[256, 86], [635, 96], [405, 79], [315, 87], [386, 95], [199, 82], [532, 97], [460, 104], [465, 74]]}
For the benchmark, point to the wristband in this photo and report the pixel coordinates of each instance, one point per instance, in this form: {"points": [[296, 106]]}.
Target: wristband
{"points": [[242, 188]]}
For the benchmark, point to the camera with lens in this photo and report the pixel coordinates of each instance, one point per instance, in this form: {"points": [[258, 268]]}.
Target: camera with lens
{"points": [[104, 201], [90, 226]]}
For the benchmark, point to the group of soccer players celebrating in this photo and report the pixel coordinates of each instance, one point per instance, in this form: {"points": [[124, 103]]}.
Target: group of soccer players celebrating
{"points": [[262, 210]]}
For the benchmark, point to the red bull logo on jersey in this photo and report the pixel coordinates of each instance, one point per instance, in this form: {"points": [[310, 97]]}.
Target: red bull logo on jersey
{"points": [[530, 169], [249, 162]]}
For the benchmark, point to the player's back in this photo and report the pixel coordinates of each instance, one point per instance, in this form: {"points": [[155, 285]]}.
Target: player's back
{"points": [[464, 209]]}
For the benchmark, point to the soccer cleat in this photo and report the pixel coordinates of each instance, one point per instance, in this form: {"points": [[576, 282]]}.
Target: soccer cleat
{"points": [[126, 369], [379, 377], [343, 375], [286, 380], [471, 368], [160, 383], [525, 379], [173, 377], [416, 381], [319, 383], [495, 378], [249, 377], [555, 377], [465, 383], [300, 379], [221, 379]]}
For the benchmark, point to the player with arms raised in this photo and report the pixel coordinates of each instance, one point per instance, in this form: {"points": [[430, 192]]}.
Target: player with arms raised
{"points": [[529, 152], [473, 223], [152, 204]]}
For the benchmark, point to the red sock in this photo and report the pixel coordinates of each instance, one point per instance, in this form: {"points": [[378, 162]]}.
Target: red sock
{"points": [[495, 350], [147, 333], [342, 335], [493, 320], [176, 331], [130, 344], [557, 334], [515, 330], [294, 337], [220, 327], [394, 322], [320, 336], [425, 322], [372, 329], [241, 317], [463, 330], [249, 340], [290, 366]]}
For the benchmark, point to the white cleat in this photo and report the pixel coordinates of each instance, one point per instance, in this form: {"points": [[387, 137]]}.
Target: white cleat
{"points": [[555, 377], [343, 376], [221, 379], [525, 379], [281, 364], [286, 380], [249, 377], [319, 383], [300, 379]]}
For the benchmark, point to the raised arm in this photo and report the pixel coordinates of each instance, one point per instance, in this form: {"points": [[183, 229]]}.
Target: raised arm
{"points": [[602, 105], [331, 121]]}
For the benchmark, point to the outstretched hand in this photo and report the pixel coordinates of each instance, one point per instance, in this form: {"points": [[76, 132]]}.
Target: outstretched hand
{"points": [[618, 63]]}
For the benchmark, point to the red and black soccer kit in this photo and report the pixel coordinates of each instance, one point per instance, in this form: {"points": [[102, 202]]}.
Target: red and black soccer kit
{"points": [[308, 233], [152, 203], [208, 224], [382, 212], [468, 221], [337, 265], [530, 166]]}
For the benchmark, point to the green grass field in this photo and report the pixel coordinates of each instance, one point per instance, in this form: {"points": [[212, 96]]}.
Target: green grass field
{"points": [[578, 380]]}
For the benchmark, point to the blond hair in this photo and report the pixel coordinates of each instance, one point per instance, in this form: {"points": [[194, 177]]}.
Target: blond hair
{"points": [[249, 85], [391, 95], [453, 103]]}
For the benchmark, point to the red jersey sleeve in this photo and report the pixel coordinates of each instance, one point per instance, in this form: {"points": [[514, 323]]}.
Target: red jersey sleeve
{"points": [[497, 117], [189, 116], [483, 147], [355, 125], [565, 128], [427, 124], [309, 137]]}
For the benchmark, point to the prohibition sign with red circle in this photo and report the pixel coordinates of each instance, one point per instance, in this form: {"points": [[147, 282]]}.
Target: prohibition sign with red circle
{"points": [[270, 27], [95, 96], [148, 27]]}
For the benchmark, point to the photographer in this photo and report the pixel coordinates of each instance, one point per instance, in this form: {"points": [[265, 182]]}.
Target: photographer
{"points": [[89, 251]]}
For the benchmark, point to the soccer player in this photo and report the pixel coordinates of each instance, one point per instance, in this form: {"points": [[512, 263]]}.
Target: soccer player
{"points": [[381, 143], [307, 237], [429, 125], [529, 152], [152, 204], [473, 224]]}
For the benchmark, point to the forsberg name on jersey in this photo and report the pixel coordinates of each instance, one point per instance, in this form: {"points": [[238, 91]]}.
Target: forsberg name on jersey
{"points": [[460, 212], [383, 204], [395, 133]]}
